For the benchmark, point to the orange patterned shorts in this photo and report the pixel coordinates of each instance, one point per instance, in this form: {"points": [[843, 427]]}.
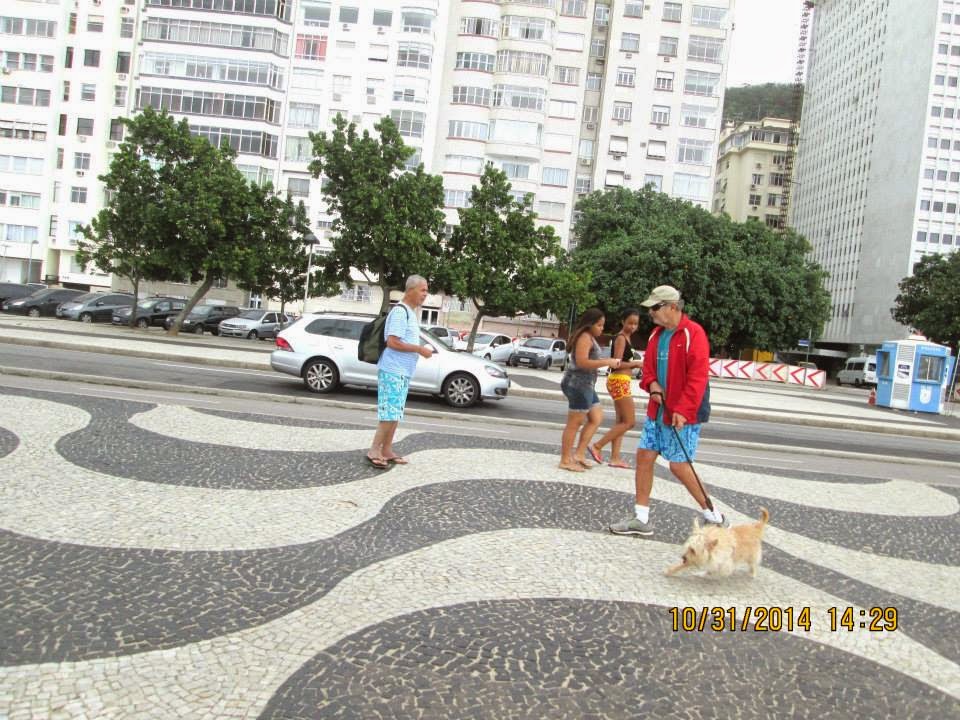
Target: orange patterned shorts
{"points": [[618, 385]]}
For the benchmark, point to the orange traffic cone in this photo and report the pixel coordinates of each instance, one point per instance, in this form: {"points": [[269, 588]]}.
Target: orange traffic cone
{"points": [[872, 398]]}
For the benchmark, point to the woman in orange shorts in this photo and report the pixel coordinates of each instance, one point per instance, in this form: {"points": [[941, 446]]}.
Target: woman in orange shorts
{"points": [[618, 385]]}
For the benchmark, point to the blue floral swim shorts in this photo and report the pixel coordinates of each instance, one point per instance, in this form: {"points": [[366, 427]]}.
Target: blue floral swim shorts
{"points": [[391, 396], [662, 438]]}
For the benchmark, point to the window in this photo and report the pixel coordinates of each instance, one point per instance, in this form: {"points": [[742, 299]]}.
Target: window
{"points": [[468, 164], [583, 184], [777, 179], [594, 80], [664, 81], [551, 210], [558, 142], [707, 16], [570, 41], [705, 49], [575, 8], [467, 130], [629, 42], [591, 113], [601, 15], [515, 171], [672, 11], [668, 46], [516, 131], [626, 76], [526, 63], [85, 126], [633, 8], [938, 206], [78, 195], [586, 149], [697, 82], [756, 179], [94, 23], [24, 96], [72, 24], [655, 180], [16, 198], [566, 75], [475, 61], [304, 115], [483, 27], [414, 55], [123, 62], [467, 95], [116, 130], [81, 161], [657, 150], [456, 198], [349, 15], [700, 116], [614, 178], [298, 149], [691, 187], [417, 22], [409, 122], [598, 47], [310, 47], [120, 95], [88, 91], [556, 176], [519, 97], [91, 58], [563, 109], [773, 200], [660, 115], [517, 27], [126, 27], [622, 111], [618, 145], [315, 15], [298, 187], [382, 18]]}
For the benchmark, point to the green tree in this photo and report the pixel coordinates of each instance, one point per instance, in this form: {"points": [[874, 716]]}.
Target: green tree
{"points": [[280, 270], [503, 262], [388, 220], [748, 285], [125, 237], [929, 300]]}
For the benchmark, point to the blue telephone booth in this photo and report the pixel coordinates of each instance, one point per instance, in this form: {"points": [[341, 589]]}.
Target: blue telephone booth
{"points": [[913, 375]]}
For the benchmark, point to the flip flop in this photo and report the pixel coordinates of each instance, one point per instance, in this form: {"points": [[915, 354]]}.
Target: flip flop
{"points": [[568, 468], [585, 465], [597, 457], [620, 464], [377, 463], [398, 460]]}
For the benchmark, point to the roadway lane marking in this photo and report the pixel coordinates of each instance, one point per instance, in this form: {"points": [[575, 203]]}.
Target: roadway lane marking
{"points": [[138, 397], [448, 427], [749, 457], [269, 373]]}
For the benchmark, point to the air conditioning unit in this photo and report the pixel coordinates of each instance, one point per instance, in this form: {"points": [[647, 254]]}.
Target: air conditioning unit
{"points": [[371, 100], [337, 97], [753, 187], [111, 144], [629, 55], [666, 58], [586, 161], [627, 177], [600, 61], [643, 144], [81, 138], [121, 76], [759, 166], [124, 10], [591, 126], [380, 31], [659, 126], [617, 155], [346, 26], [80, 173], [619, 122]]}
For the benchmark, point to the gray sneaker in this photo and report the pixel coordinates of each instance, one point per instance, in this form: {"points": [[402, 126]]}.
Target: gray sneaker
{"points": [[723, 521], [632, 526]]}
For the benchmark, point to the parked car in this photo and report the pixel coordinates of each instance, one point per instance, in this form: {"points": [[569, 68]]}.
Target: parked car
{"points": [[204, 318], [94, 307], [859, 371], [322, 349], [42, 302], [541, 352], [448, 336], [254, 324], [150, 311], [15, 291], [493, 346]]}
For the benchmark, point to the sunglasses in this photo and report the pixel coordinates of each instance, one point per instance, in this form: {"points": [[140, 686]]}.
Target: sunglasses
{"points": [[654, 308]]}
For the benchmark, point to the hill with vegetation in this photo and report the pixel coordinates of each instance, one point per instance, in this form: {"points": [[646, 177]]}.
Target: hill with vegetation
{"points": [[753, 102]]}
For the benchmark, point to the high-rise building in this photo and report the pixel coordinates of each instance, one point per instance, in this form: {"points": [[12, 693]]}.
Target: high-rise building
{"points": [[565, 96], [750, 170], [878, 164]]}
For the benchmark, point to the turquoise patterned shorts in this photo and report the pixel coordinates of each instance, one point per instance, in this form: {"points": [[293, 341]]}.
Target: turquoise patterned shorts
{"points": [[660, 437], [391, 396]]}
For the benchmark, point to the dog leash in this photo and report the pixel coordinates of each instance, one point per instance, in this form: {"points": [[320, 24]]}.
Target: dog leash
{"points": [[676, 434]]}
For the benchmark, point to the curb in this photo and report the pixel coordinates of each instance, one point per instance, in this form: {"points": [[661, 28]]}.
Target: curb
{"points": [[434, 414]]}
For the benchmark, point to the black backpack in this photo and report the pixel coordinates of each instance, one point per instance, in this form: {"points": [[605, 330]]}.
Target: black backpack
{"points": [[372, 342]]}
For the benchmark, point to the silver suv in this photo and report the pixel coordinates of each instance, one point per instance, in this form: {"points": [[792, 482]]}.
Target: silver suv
{"points": [[321, 348], [254, 324], [540, 352]]}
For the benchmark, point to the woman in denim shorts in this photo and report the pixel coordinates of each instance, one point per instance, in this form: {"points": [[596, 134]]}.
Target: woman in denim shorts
{"points": [[579, 386]]}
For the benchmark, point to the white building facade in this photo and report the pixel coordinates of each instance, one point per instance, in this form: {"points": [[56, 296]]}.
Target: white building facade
{"points": [[878, 165], [566, 96]]}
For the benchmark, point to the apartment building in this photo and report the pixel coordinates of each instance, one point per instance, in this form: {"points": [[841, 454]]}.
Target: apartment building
{"points": [[878, 165], [750, 170], [566, 96]]}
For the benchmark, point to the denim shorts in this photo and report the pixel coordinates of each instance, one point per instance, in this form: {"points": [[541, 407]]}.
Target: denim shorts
{"points": [[579, 399], [660, 437], [391, 396]]}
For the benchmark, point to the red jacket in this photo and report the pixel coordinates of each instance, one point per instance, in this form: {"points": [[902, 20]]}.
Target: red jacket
{"points": [[687, 374]]}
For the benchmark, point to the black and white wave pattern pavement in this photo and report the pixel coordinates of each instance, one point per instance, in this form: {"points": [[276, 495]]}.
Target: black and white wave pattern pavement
{"points": [[165, 562]]}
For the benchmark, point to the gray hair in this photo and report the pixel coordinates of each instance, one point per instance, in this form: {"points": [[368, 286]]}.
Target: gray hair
{"points": [[415, 281]]}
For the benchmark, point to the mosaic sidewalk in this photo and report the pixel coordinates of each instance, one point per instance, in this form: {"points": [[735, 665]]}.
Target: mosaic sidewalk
{"points": [[166, 562]]}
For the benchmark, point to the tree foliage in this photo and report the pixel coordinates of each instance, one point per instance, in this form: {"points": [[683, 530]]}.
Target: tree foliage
{"points": [[748, 285], [755, 102], [503, 262], [929, 300], [388, 220]]}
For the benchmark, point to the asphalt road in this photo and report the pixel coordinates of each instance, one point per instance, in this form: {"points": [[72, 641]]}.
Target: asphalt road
{"points": [[182, 375]]}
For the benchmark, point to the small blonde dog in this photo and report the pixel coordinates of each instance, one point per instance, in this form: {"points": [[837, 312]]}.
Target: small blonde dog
{"points": [[719, 550]]}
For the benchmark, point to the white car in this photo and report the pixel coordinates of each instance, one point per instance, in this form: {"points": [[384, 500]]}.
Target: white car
{"points": [[321, 348], [540, 352], [492, 346]]}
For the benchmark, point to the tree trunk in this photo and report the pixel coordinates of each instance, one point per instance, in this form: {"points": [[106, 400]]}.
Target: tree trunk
{"points": [[191, 303], [473, 330], [133, 309], [385, 302]]}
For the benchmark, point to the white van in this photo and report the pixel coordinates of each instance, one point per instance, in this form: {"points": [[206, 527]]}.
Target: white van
{"points": [[859, 371]]}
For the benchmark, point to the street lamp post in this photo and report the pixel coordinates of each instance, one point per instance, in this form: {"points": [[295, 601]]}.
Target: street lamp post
{"points": [[309, 239], [30, 262], [3, 260]]}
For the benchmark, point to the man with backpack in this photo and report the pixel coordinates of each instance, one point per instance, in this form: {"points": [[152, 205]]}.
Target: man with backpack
{"points": [[396, 366]]}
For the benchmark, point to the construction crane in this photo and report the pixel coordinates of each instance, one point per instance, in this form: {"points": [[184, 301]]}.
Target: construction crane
{"points": [[797, 105]]}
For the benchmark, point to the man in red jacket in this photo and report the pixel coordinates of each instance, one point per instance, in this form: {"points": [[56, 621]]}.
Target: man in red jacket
{"points": [[676, 367]]}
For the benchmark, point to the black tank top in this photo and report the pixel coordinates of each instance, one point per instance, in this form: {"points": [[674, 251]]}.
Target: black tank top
{"points": [[627, 348]]}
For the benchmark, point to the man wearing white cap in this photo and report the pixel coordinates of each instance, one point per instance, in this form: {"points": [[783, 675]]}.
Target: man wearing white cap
{"points": [[676, 367]]}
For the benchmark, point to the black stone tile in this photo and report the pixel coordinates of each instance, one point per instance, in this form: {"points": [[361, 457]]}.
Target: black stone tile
{"points": [[8, 442]]}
